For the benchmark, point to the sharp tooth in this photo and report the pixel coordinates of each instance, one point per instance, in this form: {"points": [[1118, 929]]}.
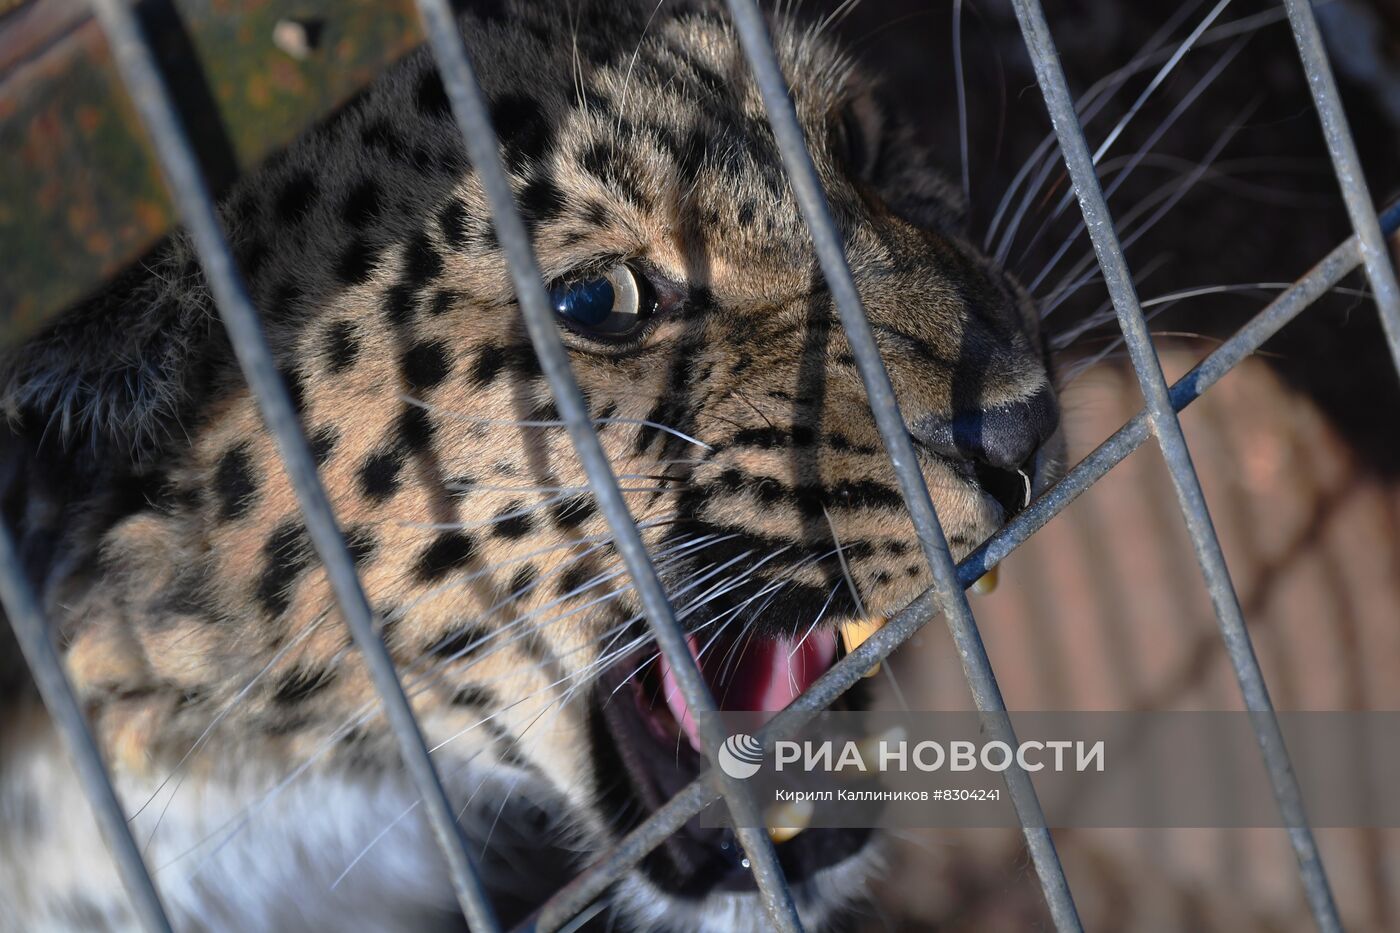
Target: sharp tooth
{"points": [[785, 820], [986, 583], [855, 633]]}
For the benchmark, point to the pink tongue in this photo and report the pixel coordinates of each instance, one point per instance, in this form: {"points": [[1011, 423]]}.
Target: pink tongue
{"points": [[768, 675]]}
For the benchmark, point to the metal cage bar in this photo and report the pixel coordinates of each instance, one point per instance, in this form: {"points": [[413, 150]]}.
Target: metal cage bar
{"points": [[1339, 263], [1171, 441], [1347, 165], [36, 644], [473, 119], [151, 98], [1158, 418], [899, 445]]}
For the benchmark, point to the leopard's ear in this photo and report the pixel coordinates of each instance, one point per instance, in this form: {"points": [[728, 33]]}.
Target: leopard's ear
{"points": [[114, 377]]}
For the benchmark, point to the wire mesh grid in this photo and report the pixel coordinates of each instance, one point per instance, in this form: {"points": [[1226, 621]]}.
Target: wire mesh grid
{"points": [[1158, 419]]}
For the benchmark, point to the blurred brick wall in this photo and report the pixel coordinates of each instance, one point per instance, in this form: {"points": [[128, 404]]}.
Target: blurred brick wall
{"points": [[1105, 609]]}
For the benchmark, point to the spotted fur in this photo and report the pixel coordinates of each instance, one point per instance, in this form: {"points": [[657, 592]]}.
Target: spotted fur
{"points": [[195, 615]]}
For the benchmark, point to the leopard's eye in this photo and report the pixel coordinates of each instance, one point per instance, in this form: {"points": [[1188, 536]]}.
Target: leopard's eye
{"points": [[613, 305]]}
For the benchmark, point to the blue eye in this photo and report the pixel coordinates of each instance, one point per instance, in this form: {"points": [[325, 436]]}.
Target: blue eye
{"points": [[588, 303], [608, 305]]}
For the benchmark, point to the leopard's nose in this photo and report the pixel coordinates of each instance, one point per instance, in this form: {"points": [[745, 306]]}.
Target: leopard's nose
{"points": [[1004, 437]]}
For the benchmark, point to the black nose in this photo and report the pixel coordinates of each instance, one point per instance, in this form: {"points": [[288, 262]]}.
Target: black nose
{"points": [[1004, 437]]}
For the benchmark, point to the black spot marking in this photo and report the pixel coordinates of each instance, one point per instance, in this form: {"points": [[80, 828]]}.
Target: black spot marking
{"points": [[574, 511], [431, 96], [361, 541], [380, 135], [460, 641], [296, 390], [342, 347], [674, 406], [362, 204], [422, 263], [296, 197], [323, 443], [477, 697], [235, 483], [287, 553], [523, 580], [746, 212], [596, 214], [452, 218], [843, 443], [522, 360], [379, 474], [524, 130], [356, 262], [489, 363], [513, 522], [282, 306], [425, 365], [399, 304], [302, 684], [451, 550], [540, 202], [414, 428], [605, 161], [443, 301], [572, 581], [767, 438]]}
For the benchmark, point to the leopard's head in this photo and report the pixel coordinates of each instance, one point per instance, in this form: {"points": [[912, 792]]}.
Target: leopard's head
{"points": [[722, 385]]}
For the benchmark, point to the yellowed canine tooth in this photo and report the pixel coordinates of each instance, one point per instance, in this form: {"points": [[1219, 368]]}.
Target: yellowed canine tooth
{"points": [[856, 632], [785, 820], [986, 583]]}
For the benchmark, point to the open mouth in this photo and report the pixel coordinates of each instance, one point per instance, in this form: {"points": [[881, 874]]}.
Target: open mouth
{"points": [[647, 747]]}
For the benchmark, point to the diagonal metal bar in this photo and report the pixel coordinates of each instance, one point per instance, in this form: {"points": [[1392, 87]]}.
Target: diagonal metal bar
{"points": [[811, 199], [687, 803], [1347, 164], [36, 644], [151, 98], [1164, 424], [473, 118]]}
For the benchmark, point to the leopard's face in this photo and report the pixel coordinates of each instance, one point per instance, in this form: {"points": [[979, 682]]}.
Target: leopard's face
{"points": [[723, 388]]}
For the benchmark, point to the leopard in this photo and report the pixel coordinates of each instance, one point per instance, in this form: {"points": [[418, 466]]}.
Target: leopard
{"points": [[194, 615]]}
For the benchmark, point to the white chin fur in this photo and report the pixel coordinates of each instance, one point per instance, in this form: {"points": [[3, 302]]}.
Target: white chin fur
{"points": [[229, 855], [820, 899]]}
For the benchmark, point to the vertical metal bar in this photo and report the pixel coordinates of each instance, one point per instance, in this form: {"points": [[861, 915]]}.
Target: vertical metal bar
{"points": [[470, 109], [851, 669], [1342, 147], [36, 643], [1163, 421], [151, 98], [802, 175]]}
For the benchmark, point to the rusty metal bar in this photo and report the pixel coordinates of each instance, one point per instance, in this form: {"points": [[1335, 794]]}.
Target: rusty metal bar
{"points": [[150, 94]]}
